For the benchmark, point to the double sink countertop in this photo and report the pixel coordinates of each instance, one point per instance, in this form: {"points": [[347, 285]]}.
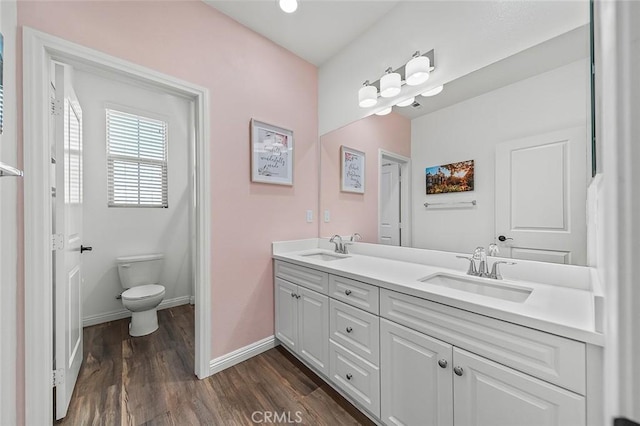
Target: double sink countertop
{"points": [[573, 312]]}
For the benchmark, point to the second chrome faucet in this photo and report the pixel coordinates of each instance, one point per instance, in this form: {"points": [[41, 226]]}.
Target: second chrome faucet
{"points": [[341, 247]]}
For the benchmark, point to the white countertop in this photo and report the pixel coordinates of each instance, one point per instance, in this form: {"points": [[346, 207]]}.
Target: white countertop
{"points": [[564, 311]]}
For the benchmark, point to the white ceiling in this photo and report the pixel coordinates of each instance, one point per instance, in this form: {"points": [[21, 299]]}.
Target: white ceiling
{"points": [[318, 30]]}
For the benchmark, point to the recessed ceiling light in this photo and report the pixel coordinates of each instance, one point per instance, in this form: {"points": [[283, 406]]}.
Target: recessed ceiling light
{"points": [[288, 6]]}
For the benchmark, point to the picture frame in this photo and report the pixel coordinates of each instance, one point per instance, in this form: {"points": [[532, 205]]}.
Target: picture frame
{"points": [[272, 153], [453, 177], [352, 170]]}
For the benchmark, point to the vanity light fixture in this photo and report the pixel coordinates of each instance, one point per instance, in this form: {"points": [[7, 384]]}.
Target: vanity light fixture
{"points": [[390, 84], [417, 69], [434, 91], [367, 95], [384, 111], [288, 6], [406, 102]]}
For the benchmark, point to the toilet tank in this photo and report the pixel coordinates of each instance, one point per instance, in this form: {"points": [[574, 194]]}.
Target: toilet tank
{"points": [[139, 270]]}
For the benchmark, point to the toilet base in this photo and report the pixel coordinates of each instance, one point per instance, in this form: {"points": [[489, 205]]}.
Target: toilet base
{"points": [[143, 323]]}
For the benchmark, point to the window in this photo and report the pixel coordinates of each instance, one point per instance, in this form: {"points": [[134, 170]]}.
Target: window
{"points": [[136, 160]]}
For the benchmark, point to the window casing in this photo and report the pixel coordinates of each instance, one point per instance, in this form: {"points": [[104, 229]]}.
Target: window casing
{"points": [[136, 160]]}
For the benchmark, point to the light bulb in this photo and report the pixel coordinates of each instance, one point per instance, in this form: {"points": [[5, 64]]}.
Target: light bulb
{"points": [[406, 102], [434, 91], [288, 6]]}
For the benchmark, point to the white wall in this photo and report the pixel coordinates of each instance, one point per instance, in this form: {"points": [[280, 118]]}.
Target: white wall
{"points": [[9, 213], [469, 131], [466, 36], [114, 232]]}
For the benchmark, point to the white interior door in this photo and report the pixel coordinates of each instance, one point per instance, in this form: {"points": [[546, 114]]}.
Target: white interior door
{"points": [[389, 204], [68, 233], [541, 197]]}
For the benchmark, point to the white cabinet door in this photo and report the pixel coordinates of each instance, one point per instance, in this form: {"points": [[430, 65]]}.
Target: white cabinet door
{"points": [[287, 313], [490, 394], [313, 329], [416, 389]]}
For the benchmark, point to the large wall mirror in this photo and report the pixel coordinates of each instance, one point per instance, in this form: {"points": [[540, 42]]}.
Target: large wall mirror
{"points": [[502, 155]]}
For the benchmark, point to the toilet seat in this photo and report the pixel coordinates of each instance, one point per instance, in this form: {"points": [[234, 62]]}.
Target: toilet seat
{"points": [[143, 292]]}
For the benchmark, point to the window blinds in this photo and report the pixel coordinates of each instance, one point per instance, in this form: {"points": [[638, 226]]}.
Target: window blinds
{"points": [[136, 160]]}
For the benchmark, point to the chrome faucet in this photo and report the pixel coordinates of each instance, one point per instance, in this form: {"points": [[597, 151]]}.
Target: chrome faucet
{"points": [[481, 255], [353, 239], [482, 270], [339, 244]]}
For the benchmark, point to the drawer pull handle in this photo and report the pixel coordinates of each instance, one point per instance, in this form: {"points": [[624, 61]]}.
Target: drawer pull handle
{"points": [[442, 363], [347, 292], [458, 371], [349, 376], [349, 329]]}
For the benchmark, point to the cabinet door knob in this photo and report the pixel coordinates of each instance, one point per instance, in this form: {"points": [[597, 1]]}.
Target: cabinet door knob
{"points": [[349, 329], [347, 292], [458, 371], [297, 296], [293, 295], [442, 363], [348, 376]]}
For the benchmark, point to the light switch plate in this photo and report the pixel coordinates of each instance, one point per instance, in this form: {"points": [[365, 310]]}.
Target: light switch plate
{"points": [[327, 216], [309, 216]]}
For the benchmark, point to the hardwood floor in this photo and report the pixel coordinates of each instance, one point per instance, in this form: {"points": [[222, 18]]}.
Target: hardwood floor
{"points": [[150, 381]]}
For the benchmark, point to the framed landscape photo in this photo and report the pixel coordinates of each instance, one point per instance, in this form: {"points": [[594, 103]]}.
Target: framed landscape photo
{"points": [[454, 177], [352, 168], [271, 154]]}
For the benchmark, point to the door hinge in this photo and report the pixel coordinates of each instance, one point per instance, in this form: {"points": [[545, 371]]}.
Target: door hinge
{"points": [[57, 242], [57, 377], [56, 106], [399, 225]]}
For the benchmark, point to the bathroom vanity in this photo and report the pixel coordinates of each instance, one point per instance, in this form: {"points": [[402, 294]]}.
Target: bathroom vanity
{"points": [[410, 339]]}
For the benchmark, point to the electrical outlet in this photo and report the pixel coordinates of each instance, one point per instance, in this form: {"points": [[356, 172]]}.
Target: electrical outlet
{"points": [[327, 216], [309, 216]]}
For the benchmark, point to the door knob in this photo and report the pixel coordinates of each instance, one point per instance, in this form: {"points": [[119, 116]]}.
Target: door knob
{"points": [[349, 329], [442, 363], [83, 249], [348, 376], [458, 371], [347, 292], [502, 238]]}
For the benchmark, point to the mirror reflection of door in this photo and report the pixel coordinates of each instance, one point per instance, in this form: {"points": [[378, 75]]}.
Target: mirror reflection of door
{"points": [[390, 205]]}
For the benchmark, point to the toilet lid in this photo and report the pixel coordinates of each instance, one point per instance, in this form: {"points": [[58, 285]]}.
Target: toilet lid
{"points": [[143, 291]]}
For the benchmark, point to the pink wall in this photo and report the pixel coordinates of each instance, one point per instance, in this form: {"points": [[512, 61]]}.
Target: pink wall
{"points": [[359, 212], [248, 77]]}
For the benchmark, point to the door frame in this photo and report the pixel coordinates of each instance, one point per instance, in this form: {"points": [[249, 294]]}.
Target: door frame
{"points": [[38, 50], [405, 194]]}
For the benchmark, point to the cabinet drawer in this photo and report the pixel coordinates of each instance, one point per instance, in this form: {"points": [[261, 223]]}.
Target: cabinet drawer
{"points": [[356, 377], [356, 293], [356, 330], [549, 357], [306, 277]]}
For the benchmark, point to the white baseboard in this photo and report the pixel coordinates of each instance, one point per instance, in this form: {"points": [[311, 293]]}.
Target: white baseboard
{"points": [[123, 313], [232, 358]]}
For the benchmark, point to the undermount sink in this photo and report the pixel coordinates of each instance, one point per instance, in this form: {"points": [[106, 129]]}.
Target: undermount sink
{"points": [[497, 290], [324, 256]]}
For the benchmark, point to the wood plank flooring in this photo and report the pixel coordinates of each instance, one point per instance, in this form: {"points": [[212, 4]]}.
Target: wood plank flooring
{"points": [[150, 381]]}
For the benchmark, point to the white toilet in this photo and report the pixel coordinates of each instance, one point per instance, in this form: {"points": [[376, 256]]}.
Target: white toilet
{"points": [[139, 276]]}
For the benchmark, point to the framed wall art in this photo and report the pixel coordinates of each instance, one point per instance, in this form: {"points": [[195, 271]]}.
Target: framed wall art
{"points": [[271, 154], [454, 177], [352, 169]]}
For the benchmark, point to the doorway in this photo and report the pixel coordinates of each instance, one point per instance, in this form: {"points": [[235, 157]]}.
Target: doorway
{"points": [[40, 50], [394, 199]]}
